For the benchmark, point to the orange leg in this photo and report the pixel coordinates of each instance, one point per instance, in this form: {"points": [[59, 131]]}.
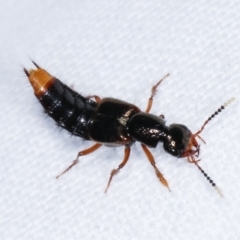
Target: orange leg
{"points": [[123, 163], [82, 153], [152, 161], [97, 98], [154, 90]]}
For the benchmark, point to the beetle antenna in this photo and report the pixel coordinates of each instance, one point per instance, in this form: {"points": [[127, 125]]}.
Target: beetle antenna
{"points": [[209, 179], [212, 116]]}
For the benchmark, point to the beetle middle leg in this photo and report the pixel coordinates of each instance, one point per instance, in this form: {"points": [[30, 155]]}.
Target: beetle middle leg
{"points": [[152, 161], [82, 153], [123, 163], [154, 90]]}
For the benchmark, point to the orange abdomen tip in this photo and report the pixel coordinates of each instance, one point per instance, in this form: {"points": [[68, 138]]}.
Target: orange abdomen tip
{"points": [[40, 80]]}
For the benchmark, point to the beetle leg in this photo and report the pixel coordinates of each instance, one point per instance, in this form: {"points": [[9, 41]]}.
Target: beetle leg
{"points": [[152, 161], [123, 163], [82, 153], [154, 91], [97, 98]]}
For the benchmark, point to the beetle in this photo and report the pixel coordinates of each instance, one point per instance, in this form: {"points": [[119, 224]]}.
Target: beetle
{"points": [[113, 122]]}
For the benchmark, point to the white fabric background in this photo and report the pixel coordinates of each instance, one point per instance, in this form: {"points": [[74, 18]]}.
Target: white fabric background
{"points": [[120, 49]]}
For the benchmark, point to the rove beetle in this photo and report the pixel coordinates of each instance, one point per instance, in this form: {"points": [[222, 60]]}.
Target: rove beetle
{"points": [[113, 122]]}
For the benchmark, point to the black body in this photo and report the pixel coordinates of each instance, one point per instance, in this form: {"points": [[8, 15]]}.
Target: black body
{"points": [[147, 129], [69, 109], [111, 121], [108, 124]]}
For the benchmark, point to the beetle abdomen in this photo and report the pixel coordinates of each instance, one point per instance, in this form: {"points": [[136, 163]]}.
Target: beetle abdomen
{"points": [[69, 109]]}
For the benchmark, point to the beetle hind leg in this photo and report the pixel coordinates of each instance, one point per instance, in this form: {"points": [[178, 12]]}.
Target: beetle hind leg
{"points": [[96, 98], [82, 153]]}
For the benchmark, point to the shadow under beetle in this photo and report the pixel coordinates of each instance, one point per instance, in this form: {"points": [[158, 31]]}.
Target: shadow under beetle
{"points": [[112, 122]]}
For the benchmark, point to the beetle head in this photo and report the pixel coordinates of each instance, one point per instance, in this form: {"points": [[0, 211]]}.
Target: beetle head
{"points": [[181, 142]]}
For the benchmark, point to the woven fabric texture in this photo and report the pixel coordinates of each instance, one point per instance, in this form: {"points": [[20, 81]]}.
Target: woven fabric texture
{"points": [[120, 49]]}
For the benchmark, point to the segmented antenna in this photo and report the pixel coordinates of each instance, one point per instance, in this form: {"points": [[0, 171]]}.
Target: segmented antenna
{"points": [[209, 179], [213, 115], [197, 135]]}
